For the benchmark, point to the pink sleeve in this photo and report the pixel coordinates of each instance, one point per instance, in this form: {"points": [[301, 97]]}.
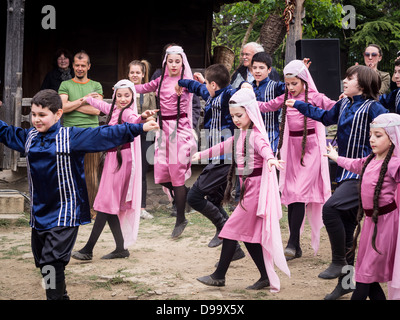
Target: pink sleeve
{"points": [[272, 105], [394, 169], [131, 117], [99, 104], [322, 101], [353, 165], [263, 149], [148, 87], [217, 150]]}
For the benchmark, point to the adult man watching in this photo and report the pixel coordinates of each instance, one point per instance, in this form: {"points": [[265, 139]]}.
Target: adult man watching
{"points": [[243, 73], [79, 114]]}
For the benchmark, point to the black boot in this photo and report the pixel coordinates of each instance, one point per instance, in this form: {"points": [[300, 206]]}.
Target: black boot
{"points": [[340, 290], [215, 216], [58, 293]]}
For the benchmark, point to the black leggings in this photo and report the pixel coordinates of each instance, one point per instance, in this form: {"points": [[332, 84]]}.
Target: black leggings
{"points": [[99, 223], [227, 252], [372, 290]]}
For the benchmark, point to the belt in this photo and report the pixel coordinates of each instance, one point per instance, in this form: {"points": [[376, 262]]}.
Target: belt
{"points": [[256, 172], [183, 115], [300, 133], [382, 210], [124, 146]]}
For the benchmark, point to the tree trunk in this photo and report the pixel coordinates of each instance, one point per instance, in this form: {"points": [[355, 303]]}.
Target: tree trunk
{"points": [[272, 33], [249, 29], [295, 32]]}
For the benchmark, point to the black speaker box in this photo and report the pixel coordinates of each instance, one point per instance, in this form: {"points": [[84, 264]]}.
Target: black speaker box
{"points": [[325, 66]]}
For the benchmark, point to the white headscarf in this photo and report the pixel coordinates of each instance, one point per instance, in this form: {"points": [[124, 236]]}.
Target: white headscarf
{"points": [[269, 204]]}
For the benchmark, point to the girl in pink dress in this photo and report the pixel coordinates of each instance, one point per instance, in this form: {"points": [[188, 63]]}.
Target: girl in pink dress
{"points": [[378, 253], [175, 141], [255, 220], [305, 182], [118, 199]]}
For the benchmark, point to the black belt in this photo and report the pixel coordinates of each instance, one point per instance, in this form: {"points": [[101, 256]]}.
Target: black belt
{"points": [[300, 133], [256, 172], [382, 210], [183, 115]]}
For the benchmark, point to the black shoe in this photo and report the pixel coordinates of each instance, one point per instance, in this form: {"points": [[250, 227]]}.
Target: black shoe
{"points": [[179, 229], [260, 284], [207, 280], [216, 241], [82, 256], [333, 271], [116, 255], [291, 254], [337, 292]]}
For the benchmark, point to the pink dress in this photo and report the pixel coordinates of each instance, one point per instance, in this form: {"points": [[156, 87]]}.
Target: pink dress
{"points": [[309, 184], [172, 158], [245, 225], [115, 194], [370, 265]]}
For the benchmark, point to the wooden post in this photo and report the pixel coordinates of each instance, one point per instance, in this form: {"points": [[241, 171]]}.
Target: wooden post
{"points": [[295, 32], [13, 66]]}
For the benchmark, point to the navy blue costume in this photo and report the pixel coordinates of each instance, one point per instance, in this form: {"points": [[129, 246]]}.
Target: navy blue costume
{"points": [[59, 198], [353, 118], [391, 101], [267, 90]]}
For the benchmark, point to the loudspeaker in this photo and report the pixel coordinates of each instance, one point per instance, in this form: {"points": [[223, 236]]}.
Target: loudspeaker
{"points": [[325, 66]]}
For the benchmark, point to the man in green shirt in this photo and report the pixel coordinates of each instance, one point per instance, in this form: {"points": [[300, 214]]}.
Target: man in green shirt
{"points": [[79, 114]]}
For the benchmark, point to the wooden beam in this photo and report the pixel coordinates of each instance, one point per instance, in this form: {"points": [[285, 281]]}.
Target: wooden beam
{"points": [[13, 66]]}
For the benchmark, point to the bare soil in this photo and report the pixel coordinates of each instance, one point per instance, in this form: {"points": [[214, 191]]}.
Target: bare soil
{"points": [[158, 268]]}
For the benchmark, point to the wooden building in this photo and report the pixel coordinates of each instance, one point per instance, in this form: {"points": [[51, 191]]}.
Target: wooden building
{"points": [[112, 34]]}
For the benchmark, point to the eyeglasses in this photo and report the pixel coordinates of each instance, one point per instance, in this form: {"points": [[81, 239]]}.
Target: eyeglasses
{"points": [[373, 54]]}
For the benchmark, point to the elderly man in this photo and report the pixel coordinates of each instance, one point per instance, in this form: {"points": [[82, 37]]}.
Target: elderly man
{"points": [[243, 73]]}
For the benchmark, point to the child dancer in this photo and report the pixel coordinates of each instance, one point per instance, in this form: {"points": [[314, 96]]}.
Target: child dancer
{"points": [[255, 220], [379, 180], [352, 116], [56, 178], [391, 101], [305, 182], [118, 199], [266, 90], [139, 73], [175, 142]]}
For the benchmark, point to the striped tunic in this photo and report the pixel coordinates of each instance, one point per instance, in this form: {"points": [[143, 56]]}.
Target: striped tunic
{"points": [[55, 168], [268, 90], [353, 117]]}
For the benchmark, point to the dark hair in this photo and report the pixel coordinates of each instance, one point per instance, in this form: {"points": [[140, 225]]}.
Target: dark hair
{"points": [[58, 54], [375, 46], [48, 98], [283, 123], [119, 157], [231, 173], [377, 192], [368, 80], [262, 57], [178, 116], [219, 74], [82, 55], [397, 63]]}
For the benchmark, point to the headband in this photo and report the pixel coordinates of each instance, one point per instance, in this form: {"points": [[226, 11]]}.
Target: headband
{"points": [[242, 104], [384, 125]]}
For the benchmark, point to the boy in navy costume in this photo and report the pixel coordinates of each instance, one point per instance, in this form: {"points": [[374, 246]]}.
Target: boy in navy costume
{"points": [[391, 101], [59, 199], [266, 90], [207, 193]]}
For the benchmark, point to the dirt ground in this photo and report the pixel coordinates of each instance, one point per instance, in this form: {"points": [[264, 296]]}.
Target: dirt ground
{"points": [[158, 268]]}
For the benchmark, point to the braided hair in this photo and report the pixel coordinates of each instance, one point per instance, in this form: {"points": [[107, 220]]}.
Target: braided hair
{"points": [[283, 124], [173, 134], [119, 157], [377, 192], [231, 175]]}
